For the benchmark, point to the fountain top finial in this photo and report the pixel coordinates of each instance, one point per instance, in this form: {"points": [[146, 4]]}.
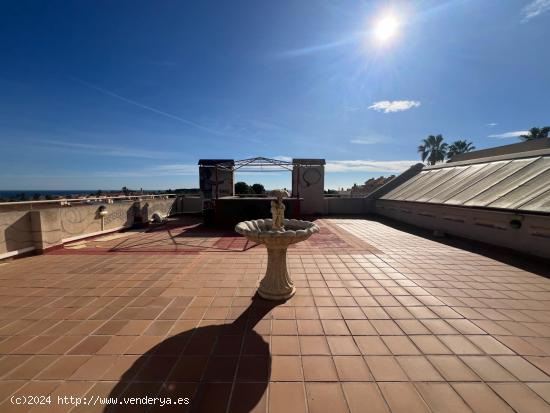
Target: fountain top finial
{"points": [[280, 193], [278, 209]]}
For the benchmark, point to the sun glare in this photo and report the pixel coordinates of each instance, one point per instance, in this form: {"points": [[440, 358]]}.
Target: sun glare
{"points": [[386, 28]]}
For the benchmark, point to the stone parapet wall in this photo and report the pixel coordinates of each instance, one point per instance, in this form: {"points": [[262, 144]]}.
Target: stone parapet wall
{"points": [[345, 206], [190, 204], [24, 231], [164, 207]]}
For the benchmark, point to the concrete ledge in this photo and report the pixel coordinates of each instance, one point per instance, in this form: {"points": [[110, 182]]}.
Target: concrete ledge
{"points": [[46, 228], [17, 252]]}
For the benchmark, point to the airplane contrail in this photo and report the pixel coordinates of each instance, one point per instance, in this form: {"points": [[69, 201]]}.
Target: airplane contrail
{"points": [[149, 108]]}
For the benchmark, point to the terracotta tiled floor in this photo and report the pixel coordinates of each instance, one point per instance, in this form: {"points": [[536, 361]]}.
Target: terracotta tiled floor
{"points": [[188, 236], [383, 321]]}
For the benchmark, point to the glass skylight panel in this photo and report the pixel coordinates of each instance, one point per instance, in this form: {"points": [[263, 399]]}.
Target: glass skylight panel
{"points": [[458, 183], [394, 194], [524, 193], [489, 181], [510, 183]]}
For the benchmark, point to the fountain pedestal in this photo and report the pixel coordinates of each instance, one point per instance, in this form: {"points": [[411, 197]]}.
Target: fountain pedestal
{"points": [[276, 284]]}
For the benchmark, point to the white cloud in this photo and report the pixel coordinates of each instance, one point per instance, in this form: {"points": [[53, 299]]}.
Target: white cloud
{"points": [[193, 169], [272, 172], [368, 140], [369, 166], [177, 169], [102, 150], [389, 106], [121, 174], [513, 134], [492, 124], [534, 9], [283, 158]]}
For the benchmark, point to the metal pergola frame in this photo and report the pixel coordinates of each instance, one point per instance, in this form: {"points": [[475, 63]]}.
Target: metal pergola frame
{"points": [[255, 164], [252, 165]]}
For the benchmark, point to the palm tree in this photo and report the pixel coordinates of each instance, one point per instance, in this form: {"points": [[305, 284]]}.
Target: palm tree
{"points": [[536, 133], [458, 147], [433, 149]]}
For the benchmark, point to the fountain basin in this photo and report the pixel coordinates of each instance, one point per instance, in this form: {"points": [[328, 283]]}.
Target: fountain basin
{"points": [[276, 284]]}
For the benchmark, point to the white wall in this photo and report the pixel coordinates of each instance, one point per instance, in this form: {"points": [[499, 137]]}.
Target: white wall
{"points": [[490, 226]]}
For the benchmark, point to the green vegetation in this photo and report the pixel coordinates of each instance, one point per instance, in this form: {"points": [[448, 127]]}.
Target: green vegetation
{"points": [[242, 188], [258, 189], [458, 147], [433, 149], [536, 133]]}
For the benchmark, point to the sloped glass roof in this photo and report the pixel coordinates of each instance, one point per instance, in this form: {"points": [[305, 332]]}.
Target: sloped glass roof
{"points": [[518, 184]]}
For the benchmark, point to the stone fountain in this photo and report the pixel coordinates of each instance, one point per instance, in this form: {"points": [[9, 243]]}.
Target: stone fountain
{"points": [[277, 234]]}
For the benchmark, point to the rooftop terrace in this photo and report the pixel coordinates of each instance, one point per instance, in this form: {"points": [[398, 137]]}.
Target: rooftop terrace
{"points": [[383, 318]]}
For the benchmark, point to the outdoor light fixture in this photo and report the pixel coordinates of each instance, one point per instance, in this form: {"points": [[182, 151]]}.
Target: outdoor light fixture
{"points": [[102, 212], [515, 223]]}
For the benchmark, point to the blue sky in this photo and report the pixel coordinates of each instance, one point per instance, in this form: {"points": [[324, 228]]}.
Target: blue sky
{"points": [[108, 94]]}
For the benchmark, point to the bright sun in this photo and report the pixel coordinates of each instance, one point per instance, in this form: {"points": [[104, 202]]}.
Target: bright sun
{"points": [[386, 28]]}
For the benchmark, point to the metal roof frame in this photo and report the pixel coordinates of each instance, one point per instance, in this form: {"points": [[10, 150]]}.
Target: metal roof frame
{"points": [[255, 165], [518, 184]]}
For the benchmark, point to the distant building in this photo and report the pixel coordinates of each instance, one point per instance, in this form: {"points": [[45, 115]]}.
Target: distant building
{"points": [[369, 186]]}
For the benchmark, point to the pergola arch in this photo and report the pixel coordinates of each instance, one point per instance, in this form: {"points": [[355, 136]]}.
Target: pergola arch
{"points": [[217, 177]]}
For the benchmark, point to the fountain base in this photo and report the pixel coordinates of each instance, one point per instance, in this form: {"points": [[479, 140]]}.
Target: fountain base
{"points": [[267, 296]]}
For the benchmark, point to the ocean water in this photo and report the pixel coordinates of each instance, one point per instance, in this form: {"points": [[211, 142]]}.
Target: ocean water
{"points": [[30, 194]]}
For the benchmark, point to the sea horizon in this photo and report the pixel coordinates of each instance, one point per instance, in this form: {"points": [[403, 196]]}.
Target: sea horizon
{"points": [[30, 192]]}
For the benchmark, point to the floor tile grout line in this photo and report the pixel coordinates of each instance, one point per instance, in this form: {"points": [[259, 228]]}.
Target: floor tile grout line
{"points": [[436, 368]]}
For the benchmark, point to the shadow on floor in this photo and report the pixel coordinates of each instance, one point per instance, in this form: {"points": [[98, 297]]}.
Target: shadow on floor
{"points": [[526, 262], [213, 366], [181, 238]]}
